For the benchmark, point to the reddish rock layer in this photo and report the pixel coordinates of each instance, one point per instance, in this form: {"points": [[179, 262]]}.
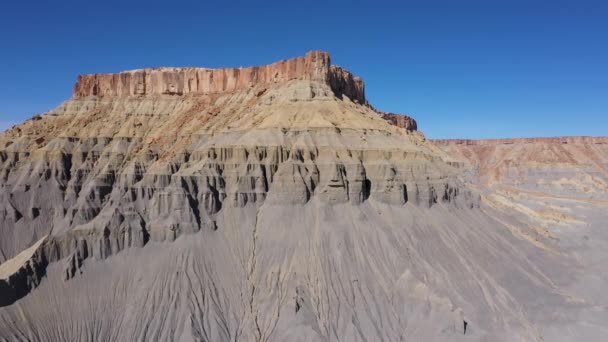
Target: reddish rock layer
{"points": [[552, 140], [342, 82], [315, 65], [400, 120]]}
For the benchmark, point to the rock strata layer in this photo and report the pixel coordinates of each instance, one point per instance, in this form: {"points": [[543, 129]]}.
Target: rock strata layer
{"points": [[315, 66], [514, 141]]}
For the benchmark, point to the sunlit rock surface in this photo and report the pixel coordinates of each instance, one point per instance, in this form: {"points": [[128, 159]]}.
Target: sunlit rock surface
{"points": [[274, 203]]}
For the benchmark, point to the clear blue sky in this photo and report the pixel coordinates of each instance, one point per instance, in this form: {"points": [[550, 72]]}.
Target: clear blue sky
{"points": [[463, 69]]}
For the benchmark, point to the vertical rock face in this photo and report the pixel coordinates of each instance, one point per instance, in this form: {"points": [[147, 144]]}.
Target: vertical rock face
{"points": [[400, 120], [343, 82], [314, 66]]}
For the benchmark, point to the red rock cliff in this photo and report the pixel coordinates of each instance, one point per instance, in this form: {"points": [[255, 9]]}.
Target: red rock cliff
{"points": [[315, 65], [400, 120]]}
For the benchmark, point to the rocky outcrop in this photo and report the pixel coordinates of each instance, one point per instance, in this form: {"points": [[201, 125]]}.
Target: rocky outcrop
{"points": [[19, 275], [400, 120], [180, 81], [343, 82], [314, 66]]}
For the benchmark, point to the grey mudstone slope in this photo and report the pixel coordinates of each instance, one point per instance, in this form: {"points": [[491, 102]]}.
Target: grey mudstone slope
{"points": [[276, 211]]}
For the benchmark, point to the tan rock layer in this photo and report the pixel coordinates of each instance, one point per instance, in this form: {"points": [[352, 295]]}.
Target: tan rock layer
{"points": [[315, 65], [551, 140]]}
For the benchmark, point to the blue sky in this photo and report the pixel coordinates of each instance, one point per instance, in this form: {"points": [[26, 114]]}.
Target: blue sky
{"points": [[463, 69]]}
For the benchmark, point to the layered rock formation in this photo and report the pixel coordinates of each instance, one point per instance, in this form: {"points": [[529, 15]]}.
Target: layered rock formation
{"points": [[315, 66], [260, 204], [553, 193], [518, 141], [503, 161]]}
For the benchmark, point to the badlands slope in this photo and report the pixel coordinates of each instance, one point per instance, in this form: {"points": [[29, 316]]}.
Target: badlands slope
{"points": [[275, 203], [552, 192]]}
